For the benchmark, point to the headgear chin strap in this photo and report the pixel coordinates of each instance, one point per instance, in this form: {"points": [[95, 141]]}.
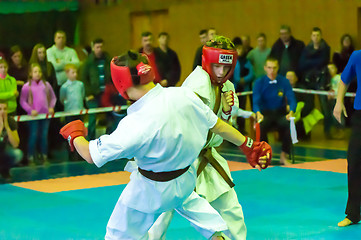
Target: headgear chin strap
{"points": [[123, 79], [218, 56]]}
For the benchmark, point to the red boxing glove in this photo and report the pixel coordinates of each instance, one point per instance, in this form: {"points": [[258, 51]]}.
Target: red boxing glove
{"points": [[73, 130], [255, 150]]}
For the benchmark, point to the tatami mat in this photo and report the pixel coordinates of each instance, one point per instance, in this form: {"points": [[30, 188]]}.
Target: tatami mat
{"points": [[122, 177]]}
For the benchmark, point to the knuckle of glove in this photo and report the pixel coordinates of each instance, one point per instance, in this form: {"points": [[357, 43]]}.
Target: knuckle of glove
{"points": [[265, 149], [74, 128], [260, 149]]}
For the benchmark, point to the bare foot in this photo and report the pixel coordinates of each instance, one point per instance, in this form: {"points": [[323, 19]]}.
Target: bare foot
{"points": [[284, 160], [344, 223]]}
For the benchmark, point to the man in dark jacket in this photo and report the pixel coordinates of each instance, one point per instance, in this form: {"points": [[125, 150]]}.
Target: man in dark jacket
{"points": [[314, 57], [95, 74], [313, 65], [167, 61], [287, 50], [203, 37]]}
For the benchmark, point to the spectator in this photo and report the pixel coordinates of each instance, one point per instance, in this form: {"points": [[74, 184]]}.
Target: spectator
{"points": [[340, 59], [72, 92], [203, 37], [335, 80], [242, 78], [314, 59], [211, 33], [246, 40], [258, 55], [18, 67], [37, 96], [9, 141], [147, 49], [167, 61], [111, 97], [60, 55], [287, 50], [72, 96], [38, 56], [243, 73], [8, 90], [306, 117], [313, 63], [95, 75], [271, 93]]}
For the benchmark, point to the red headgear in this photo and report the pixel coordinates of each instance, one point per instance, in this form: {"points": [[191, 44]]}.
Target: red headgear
{"points": [[124, 77], [218, 56]]}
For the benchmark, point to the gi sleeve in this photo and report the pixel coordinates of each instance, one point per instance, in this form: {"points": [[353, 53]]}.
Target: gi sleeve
{"points": [[203, 110], [122, 143]]}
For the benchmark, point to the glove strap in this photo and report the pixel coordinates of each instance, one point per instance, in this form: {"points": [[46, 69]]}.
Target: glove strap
{"points": [[248, 143], [226, 115]]}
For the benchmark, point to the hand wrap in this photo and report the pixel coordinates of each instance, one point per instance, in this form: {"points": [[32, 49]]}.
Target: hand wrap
{"points": [[255, 150], [73, 130]]}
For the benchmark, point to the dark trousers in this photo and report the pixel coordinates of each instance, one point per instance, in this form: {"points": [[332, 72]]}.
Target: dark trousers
{"points": [[276, 120], [38, 136], [354, 169], [92, 118], [5, 164]]}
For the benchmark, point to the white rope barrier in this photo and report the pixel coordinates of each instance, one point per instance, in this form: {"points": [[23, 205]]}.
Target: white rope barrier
{"points": [[307, 91], [25, 118], [319, 92]]}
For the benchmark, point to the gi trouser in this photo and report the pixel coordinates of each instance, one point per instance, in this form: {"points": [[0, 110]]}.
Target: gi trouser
{"points": [[128, 223]]}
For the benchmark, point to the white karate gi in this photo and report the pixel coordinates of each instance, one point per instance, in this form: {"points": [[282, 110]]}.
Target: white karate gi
{"points": [[164, 131], [210, 184]]}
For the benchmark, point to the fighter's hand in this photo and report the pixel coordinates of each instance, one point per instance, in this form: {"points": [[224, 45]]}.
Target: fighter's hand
{"points": [[34, 113], [338, 110], [257, 153], [1, 122], [228, 100], [259, 117], [289, 115], [51, 111], [73, 130]]}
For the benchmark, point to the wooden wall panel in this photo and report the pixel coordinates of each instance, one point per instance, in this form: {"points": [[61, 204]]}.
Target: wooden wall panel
{"points": [[230, 18]]}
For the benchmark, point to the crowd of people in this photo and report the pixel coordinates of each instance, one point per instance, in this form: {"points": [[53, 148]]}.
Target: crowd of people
{"points": [[49, 83]]}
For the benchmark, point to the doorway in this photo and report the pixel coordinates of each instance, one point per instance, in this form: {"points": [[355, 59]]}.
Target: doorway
{"points": [[152, 21]]}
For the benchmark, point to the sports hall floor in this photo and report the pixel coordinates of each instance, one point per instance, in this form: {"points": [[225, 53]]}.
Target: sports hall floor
{"points": [[303, 201]]}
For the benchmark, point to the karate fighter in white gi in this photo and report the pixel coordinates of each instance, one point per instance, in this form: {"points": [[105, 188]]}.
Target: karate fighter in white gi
{"points": [[214, 183], [164, 131]]}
